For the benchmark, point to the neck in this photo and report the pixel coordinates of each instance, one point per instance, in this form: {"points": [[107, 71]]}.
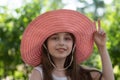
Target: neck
{"points": [[59, 64]]}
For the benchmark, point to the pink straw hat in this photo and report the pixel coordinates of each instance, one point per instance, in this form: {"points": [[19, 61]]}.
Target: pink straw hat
{"points": [[53, 22]]}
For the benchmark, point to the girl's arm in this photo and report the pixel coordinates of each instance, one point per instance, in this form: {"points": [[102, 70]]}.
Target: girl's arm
{"points": [[106, 64], [100, 40]]}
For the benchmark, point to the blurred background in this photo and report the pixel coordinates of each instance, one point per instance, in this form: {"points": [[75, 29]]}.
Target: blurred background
{"points": [[16, 14]]}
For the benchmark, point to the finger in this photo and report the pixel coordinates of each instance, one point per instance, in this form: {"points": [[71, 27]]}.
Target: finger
{"points": [[103, 33], [100, 31], [99, 25], [95, 25]]}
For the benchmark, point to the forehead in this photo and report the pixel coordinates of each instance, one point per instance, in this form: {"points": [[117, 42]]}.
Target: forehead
{"points": [[60, 33]]}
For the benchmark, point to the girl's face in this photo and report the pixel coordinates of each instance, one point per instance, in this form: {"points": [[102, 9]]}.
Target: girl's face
{"points": [[60, 45]]}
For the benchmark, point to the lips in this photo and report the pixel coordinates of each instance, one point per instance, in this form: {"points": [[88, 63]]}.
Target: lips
{"points": [[61, 49]]}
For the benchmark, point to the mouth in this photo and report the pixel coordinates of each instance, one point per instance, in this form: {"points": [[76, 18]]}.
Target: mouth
{"points": [[61, 49]]}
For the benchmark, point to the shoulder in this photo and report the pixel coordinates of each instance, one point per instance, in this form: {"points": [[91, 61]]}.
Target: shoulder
{"points": [[95, 73], [35, 74]]}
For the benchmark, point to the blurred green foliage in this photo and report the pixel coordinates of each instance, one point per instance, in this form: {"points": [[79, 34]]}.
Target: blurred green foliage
{"points": [[13, 23], [110, 22]]}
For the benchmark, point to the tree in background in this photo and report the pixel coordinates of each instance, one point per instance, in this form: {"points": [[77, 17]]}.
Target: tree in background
{"points": [[93, 8]]}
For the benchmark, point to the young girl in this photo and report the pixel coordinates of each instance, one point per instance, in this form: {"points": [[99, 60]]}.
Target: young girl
{"points": [[56, 42]]}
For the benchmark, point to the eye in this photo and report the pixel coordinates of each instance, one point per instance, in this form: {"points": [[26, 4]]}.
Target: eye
{"points": [[68, 38], [54, 38]]}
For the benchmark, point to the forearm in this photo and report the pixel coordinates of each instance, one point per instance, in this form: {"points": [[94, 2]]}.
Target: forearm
{"points": [[106, 64]]}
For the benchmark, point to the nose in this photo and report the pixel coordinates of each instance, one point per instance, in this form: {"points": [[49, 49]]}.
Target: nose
{"points": [[61, 42]]}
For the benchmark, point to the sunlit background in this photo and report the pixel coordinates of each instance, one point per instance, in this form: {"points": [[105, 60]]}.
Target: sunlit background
{"points": [[69, 4]]}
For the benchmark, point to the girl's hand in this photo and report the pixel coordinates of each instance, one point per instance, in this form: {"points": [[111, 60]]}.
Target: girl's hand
{"points": [[100, 40], [100, 36]]}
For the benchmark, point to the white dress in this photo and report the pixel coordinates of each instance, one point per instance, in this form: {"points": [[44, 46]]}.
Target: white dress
{"points": [[39, 68]]}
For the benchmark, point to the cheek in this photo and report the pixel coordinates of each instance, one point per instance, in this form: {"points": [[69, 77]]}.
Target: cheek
{"points": [[50, 46], [70, 45]]}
